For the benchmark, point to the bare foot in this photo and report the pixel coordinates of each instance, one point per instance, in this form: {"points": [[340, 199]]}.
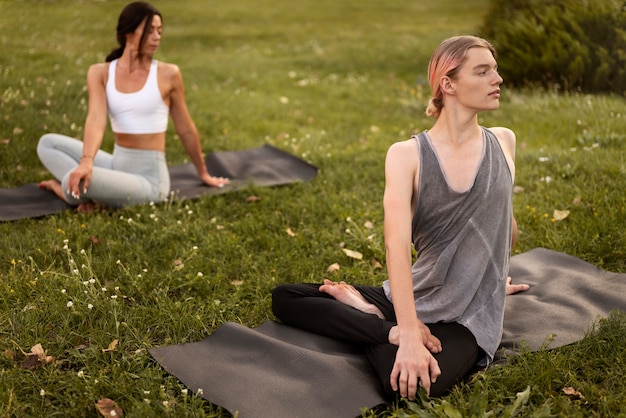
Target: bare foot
{"points": [[89, 207], [54, 186], [348, 295]]}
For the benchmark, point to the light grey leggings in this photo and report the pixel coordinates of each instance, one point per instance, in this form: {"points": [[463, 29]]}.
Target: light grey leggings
{"points": [[126, 177]]}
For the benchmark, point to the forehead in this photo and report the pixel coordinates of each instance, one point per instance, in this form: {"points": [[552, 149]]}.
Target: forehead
{"points": [[479, 56], [156, 23]]}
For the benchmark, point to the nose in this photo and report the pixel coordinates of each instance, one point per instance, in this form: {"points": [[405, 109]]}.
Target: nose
{"points": [[499, 80]]}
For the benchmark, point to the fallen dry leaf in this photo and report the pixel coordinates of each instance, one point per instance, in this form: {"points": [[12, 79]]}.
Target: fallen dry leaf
{"points": [[251, 199], [333, 268], [30, 362], [376, 264], [577, 200], [290, 232], [108, 408], [178, 264], [353, 254], [237, 282], [5, 141], [559, 215], [36, 357], [94, 240], [112, 346], [9, 354], [518, 189], [573, 393]]}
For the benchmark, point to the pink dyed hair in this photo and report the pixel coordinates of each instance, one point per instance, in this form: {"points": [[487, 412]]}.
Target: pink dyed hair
{"points": [[446, 60]]}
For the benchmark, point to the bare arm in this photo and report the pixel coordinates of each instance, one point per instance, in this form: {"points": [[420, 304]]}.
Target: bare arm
{"points": [[185, 127], [95, 125], [507, 141], [414, 362]]}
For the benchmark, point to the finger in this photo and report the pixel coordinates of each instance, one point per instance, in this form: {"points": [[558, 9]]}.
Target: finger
{"points": [[412, 382], [393, 378], [86, 183], [435, 371]]}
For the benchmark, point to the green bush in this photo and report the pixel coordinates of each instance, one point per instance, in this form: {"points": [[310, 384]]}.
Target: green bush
{"points": [[570, 44]]}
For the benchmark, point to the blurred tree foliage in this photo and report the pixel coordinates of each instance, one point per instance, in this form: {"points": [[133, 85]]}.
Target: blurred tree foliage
{"points": [[570, 44]]}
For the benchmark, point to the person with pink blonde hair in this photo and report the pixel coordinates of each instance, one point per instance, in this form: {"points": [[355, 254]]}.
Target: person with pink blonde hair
{"points": [[448, 195]]}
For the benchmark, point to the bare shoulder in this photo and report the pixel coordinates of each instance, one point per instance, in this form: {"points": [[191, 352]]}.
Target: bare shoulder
{"points": [[506, 137], [169, 70], [99, 70], [403, 150], [97, 75]]}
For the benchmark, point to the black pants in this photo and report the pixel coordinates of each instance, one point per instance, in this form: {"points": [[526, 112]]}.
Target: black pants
{"points": [[304, 306]]}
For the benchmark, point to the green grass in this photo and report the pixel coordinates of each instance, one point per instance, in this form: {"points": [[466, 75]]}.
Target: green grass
{"points": [[353, 73]]}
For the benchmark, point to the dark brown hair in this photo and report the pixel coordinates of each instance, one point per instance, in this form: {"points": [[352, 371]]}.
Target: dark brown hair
{"points": [[130, 18]]}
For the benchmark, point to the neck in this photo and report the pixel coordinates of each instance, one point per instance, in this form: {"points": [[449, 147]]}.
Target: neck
{"points": [[132, 60], [455, 127]]}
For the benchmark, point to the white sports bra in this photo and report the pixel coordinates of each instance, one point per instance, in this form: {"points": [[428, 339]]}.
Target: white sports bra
{"points": [[141, 112]]}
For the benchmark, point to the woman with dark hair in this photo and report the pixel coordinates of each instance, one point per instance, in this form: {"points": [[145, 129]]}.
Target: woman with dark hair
{"points": [[448, 193], [139, 94]]}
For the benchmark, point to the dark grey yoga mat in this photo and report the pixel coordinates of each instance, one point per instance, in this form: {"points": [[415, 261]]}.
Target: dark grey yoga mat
{"points": [[263, 166], [278, 371]]}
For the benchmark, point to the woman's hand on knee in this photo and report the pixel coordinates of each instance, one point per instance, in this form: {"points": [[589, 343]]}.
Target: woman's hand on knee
{"points": [[80, 179]]}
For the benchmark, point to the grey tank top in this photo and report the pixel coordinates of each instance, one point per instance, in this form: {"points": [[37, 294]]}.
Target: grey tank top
{"points": [[463, 241]]}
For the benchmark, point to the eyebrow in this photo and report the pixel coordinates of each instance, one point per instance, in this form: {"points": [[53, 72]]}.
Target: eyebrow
{"points": [[483, 66]]}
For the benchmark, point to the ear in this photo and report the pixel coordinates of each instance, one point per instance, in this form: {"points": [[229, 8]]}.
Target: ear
{"points": [[447, 85]]}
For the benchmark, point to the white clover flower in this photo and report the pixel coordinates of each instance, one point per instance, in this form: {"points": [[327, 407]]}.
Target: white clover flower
{"points": [[75, 272], [113, 296], [146, 392], [92, 280], [70, 304], [104, 289], [184, 392], [200, 392], [82, 251], [63, 291], [42, 392], [195, 247], [118, 262], [145, 270], [117, 288], [81, 373], [86, 282], [139, 275], [65, 241], [189, 212], [200, 274], [90, 306]]}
